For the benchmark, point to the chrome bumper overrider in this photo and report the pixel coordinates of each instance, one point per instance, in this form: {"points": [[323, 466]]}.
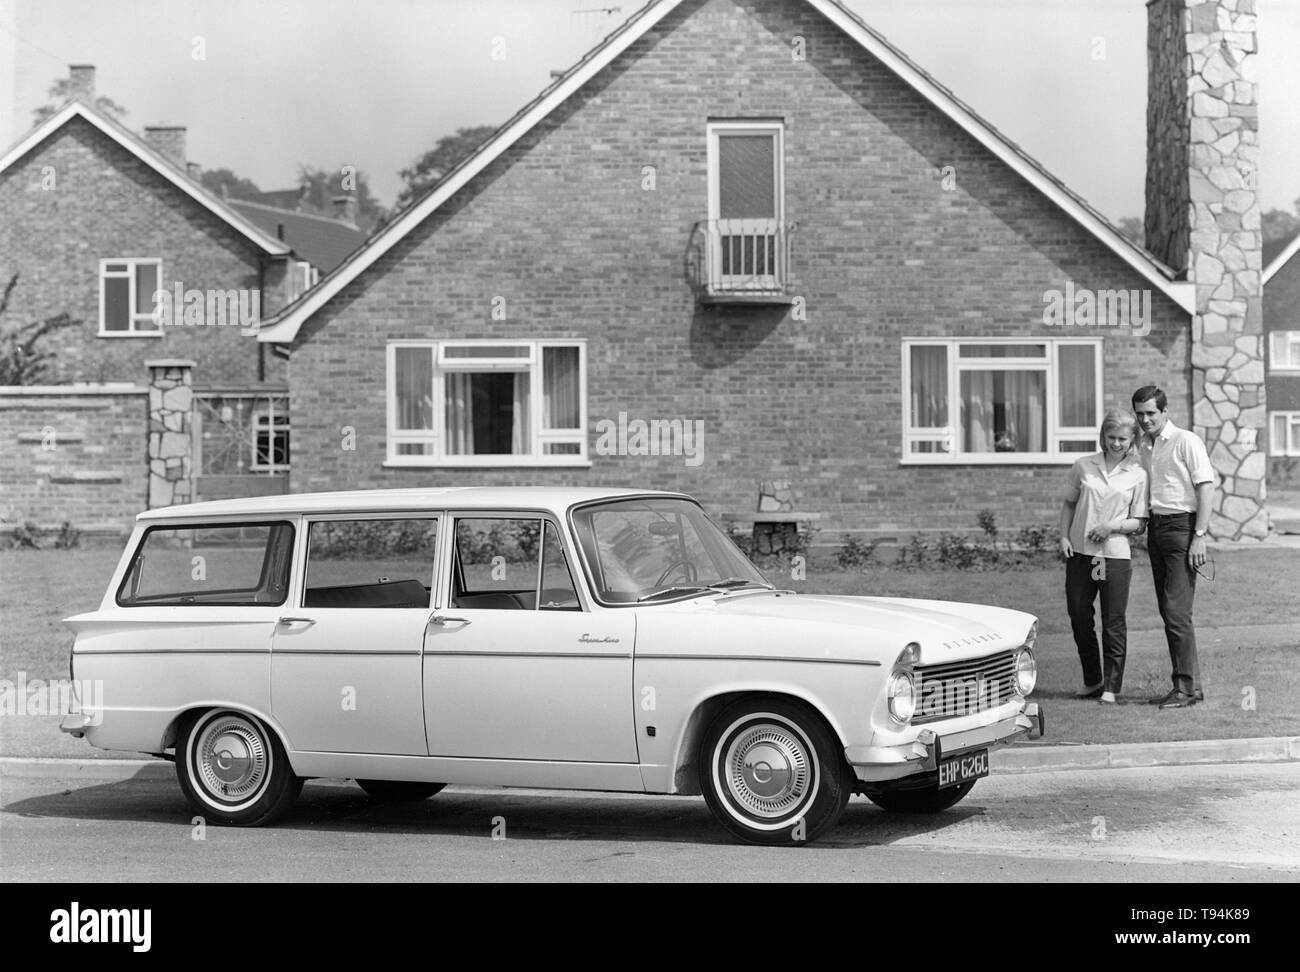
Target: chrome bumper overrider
{"points": [[872, 763], [75, 724]]}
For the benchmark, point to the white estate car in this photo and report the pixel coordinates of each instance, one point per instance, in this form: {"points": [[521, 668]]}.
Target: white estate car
{"points": [[589, 639]]}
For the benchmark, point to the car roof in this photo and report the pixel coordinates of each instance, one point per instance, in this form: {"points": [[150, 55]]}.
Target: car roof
{"points": [[554, 499]]}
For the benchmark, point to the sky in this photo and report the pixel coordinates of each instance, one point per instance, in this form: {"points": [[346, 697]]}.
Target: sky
{"points": [[376, 83]]}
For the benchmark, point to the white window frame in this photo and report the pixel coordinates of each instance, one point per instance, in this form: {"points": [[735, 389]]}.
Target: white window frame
{"points": [[130, 274], [264, 420], [1284, 345], [304, 277], [1289, 444], [1056, 433], [538, 437], [771, 127]]}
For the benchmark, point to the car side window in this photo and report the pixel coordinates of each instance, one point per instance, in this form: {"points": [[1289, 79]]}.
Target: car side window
{"points": [[377, 563], [237, 564], [511, 564]]}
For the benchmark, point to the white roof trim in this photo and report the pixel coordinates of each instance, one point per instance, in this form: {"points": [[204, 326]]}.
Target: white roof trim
{"points": [[1182, 293], [1281, 259], [286, 328], [150, 158]]}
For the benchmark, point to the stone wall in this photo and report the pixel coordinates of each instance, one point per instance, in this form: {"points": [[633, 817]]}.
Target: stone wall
{"points": [[171, 410], [1203, 218]]}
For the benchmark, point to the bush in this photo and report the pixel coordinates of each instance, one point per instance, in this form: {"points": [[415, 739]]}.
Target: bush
{"points": [[25, 536], [69, 537], [1037, 539], [856, 553]]}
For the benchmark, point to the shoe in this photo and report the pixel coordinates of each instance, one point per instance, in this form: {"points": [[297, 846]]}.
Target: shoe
{"points": [[1090, 691], [1108, 698], [1179, 700], [1172, 694], [1200, 696]]}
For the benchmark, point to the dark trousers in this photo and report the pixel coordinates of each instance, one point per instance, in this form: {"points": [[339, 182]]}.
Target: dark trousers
{"points": [[1167, 540], [1083, 581]]}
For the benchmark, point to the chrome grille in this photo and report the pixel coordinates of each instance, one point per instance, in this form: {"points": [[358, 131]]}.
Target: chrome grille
{"points": [[961, 688]]}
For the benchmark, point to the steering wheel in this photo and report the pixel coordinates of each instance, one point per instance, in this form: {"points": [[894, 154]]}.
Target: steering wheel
{"points": [[689, 573]]}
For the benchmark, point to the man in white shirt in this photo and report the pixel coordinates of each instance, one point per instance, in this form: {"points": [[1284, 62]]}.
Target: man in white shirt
{"points": [[1182, 495]]}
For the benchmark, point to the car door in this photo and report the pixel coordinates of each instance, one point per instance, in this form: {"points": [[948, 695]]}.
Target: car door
{"points": [[345, 662], [515, 666]]}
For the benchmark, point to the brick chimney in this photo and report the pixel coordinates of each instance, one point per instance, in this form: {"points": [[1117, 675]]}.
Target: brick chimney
{"points": [[1203, 219], [169, 142], [81, 82], [345, 208]]}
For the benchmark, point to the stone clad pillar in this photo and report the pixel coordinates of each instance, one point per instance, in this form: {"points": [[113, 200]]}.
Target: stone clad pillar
{"points": [[171, 411], [1203, 218]]}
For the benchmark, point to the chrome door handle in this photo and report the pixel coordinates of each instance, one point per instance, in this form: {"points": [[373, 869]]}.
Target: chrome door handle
{"points": [[297, 621], [443, 619]]}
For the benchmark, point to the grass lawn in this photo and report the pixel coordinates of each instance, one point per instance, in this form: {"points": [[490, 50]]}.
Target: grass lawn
{"points": [[1247, 621]]}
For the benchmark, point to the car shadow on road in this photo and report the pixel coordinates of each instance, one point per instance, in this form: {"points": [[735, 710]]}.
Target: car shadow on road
{"points": [[335, 807]]}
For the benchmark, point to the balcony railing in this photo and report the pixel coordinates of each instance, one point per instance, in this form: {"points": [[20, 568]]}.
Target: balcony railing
{"points": [[739, 260]]}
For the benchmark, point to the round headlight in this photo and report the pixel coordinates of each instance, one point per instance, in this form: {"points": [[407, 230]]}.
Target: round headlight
{"points": [[902, 696], [1026, 671]]}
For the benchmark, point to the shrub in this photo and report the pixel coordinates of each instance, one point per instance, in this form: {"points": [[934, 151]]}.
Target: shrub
{"points": [[856, 553], [25, 536], [69, 537]]}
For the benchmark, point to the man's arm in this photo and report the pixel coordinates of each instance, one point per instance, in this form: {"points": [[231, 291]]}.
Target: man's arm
{"points": [[1204, 503]]}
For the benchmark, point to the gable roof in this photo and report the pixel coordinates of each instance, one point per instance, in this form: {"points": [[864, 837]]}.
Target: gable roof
{"points": [[284, 326], [146, 154], [1276, 256], [322, 241]]}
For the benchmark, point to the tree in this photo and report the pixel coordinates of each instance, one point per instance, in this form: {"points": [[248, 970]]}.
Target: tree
{"points": [[1279, 226], [224, 182], [322, 185], [1131, 227], [21, 362], [61, 90], [430, 167]]}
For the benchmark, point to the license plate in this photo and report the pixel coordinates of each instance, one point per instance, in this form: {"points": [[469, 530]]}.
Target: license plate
{"points": [[960, 769]]}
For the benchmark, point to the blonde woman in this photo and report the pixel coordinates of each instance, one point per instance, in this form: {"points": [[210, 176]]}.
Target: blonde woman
{"points": [[1105, 502]]}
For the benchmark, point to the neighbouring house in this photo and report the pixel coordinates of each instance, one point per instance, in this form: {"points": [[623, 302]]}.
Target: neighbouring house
{"points": [[745, 242], [168, 282], [1282, 325], [320, 243]]}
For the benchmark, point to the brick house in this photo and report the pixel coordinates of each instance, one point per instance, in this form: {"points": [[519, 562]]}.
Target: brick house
{"points": [[1282, 326], [96, 221], [764, 232]]}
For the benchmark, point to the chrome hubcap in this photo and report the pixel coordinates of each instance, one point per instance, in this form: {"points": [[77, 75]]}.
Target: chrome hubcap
{"points": [[768, 770], [231, 758]]}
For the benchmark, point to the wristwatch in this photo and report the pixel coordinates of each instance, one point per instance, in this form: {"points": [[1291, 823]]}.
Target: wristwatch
{"points": [[1200, 533]]}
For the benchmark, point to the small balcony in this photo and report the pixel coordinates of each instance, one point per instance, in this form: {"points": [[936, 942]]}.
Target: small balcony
{"points": [[739, 261]]}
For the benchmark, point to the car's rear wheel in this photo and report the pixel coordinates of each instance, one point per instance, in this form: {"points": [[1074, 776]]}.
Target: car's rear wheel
{"points": [[772, 772], [233, 769], [929, 799], [397, 791]]}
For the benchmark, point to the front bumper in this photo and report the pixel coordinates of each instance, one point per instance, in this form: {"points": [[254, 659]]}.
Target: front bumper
{"points": [[873, 764]]}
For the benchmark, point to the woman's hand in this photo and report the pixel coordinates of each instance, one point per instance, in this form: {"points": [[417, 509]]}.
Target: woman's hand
{"points": [[1101, 531], [1067, 548]]}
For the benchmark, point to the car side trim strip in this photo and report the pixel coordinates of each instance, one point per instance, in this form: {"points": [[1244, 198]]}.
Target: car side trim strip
{"points": [[770, 658]]}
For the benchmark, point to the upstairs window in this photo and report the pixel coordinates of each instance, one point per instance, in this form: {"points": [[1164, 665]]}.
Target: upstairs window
{"points": [[487, 403], [746, 229], [126, 304], [1000, 401], [1285, 346]]}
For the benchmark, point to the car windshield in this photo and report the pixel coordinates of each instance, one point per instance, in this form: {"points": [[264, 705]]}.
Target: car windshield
{"points": [[647, 550]]}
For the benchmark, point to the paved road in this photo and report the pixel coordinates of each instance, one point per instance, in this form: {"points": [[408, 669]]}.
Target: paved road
{"points": [[1167, 824]]}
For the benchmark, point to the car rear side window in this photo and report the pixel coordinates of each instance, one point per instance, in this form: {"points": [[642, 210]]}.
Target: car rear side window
{"points": [[210, 564], [379, 563]]}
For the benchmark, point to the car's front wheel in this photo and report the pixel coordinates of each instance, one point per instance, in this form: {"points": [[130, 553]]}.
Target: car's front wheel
{"points": [[929, 799], [397, 791], [772, 772], [233, 769]]}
